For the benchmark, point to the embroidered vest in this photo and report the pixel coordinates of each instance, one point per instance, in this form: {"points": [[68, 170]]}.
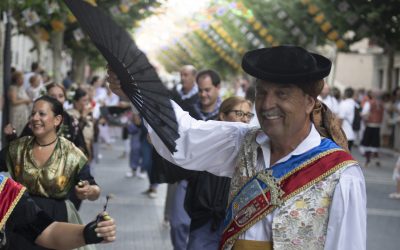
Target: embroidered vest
{"points": [[301, 222]]}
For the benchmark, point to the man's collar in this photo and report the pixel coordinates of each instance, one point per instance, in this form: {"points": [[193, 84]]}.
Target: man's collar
{"points": [[192, 92], [311, 141]]}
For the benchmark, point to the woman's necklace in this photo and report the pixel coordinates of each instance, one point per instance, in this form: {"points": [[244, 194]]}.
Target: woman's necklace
{"points": [[45, 145]]}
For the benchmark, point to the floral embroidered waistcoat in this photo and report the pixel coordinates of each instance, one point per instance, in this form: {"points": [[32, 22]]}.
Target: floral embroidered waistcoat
{"points": [[302, 221]]}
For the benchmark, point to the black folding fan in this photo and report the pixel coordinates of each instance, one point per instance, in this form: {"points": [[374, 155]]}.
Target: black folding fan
{"points": [[139, 80]]}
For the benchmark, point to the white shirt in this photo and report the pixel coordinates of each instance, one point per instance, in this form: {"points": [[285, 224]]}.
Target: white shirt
{"points": [[346, 114], [111, 100], [331, 102], [213, 146], [100, 94], [192, 92]]}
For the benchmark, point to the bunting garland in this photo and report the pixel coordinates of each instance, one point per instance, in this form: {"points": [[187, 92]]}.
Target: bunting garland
{"points": [[185, 41], [227, 38], [167, 61], [257, 26], [185, 49], [227, 58], [326, 26], [171, 56], [350, 16], [290, 24]]}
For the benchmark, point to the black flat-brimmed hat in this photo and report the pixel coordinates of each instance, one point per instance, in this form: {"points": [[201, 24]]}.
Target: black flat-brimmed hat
{"points": [[286, 64]]}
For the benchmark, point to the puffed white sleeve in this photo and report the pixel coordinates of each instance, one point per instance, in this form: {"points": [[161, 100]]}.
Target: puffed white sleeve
{"points": [[347, 217], [210, 146]]}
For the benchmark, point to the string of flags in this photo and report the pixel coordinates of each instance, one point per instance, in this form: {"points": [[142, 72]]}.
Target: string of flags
{"points": [[221, 53], [290, 24], [324, 24]]}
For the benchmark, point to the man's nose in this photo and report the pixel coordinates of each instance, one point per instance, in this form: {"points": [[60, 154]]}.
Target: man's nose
{"points": [[268, 102], [35, 116]]}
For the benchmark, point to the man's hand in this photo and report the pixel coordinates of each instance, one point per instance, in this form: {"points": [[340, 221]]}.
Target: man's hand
{"points": [[114, 83]]}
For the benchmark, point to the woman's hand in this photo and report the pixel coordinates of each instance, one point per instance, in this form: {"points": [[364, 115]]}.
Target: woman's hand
{"points": [[9, 129], [82, 190]]}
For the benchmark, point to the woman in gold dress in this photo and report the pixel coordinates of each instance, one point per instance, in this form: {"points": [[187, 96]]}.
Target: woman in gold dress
{"points": [[49, 166]]}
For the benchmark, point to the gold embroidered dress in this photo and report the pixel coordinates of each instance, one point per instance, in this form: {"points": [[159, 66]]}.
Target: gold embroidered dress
{"points": [[56, 177]]}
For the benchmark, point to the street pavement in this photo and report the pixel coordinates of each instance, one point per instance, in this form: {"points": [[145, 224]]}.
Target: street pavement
{"points": [[139, 218]]}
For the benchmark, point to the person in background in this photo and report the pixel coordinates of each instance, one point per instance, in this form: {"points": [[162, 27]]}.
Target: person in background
{"points": [[387, 125], [35, 69], [241, 87], [346, 115], [19, 102], [100, 92], [82, 112], [67, 81], [328, 99], [372, 113], [135, 156], [337, 94], [396, 118], [35, 89], [396, 178]]}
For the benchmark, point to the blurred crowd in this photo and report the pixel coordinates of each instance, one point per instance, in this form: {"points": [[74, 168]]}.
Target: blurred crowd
{"points": [[91, 104], [369, 118]]}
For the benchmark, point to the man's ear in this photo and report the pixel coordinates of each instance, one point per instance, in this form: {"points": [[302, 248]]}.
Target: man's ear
{"points": [[310, 104]]}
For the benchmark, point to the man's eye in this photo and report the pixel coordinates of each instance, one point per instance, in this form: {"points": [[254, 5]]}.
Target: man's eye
{"points": [[282, 94]]}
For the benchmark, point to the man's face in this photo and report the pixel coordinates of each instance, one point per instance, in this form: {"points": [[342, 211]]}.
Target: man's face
{"points": [[208, 93], [187, 78], [283, 110]]}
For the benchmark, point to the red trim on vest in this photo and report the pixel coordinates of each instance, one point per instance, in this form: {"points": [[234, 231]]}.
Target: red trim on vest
{"points": [[9, 196]]}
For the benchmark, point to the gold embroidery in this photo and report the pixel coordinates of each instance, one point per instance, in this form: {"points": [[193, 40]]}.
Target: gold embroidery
{"points": [[273, 186], [17, 170], [61, 181]]}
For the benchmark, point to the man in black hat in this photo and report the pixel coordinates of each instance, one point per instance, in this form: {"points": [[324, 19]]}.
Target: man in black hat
{"points": [[294, 184]]}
